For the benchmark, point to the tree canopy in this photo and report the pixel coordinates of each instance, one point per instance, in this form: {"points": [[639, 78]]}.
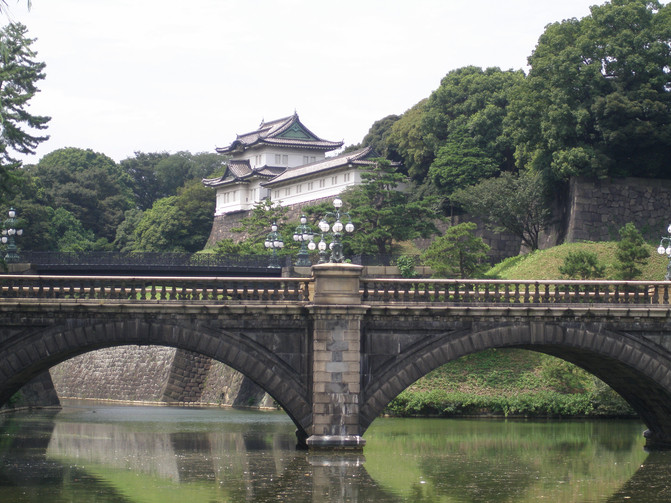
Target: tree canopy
{"points": [[382, 214], [468, 107], [509, 203], [458, 253], [596, 101], [89, 185]]}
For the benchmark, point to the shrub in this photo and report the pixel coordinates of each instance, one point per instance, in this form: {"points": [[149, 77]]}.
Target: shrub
{"points": [[406, 266], [582, 265], [632, 252]]}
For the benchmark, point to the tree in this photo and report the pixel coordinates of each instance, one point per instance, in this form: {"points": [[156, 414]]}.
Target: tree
{"points": [[180, 223], [383, 214], [632, 252], [582, 264], [513, 203], [71, 236], [408, 141], [142, 171], [457, 253], [377, 137], [124, 241], [473, 102], [19, 73], [88, 184], [256, 225], [460, 162], [596, 102], [157, 175]]}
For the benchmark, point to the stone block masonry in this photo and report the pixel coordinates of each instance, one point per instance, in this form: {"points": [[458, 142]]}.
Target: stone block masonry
{"points": [[599, 208], [336, 345], [154, 374], [126, 373], [39, 393]]}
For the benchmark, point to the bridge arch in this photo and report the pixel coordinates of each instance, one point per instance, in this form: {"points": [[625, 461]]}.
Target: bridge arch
{"points": [[638, 369], [26, 355]]}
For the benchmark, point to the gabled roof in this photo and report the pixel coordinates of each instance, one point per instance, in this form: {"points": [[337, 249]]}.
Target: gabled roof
{"points": [[286, 132], [362, 157], [239, 171]]}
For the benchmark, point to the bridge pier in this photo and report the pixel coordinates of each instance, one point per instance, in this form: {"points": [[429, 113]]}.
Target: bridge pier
{"points": [[336, 358]]}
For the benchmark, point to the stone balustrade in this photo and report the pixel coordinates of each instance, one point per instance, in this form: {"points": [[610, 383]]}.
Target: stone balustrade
{"points": [[371, 290], [143, 289], [473, 291]]}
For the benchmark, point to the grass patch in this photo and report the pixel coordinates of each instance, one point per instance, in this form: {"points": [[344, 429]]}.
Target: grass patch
{"points": [[544, 264], [509, 382]]}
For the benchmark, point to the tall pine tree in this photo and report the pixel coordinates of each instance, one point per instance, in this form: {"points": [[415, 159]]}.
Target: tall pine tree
{"points": [[19, 73]]}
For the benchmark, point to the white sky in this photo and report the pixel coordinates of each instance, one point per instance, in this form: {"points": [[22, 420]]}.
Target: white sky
{"points": [[169, 75]]}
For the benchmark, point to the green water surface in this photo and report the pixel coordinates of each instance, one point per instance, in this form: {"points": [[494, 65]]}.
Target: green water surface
{"points": [[96, 453]]}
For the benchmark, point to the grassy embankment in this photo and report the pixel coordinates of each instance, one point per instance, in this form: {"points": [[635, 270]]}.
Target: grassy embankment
{"points": [[513, 382]]}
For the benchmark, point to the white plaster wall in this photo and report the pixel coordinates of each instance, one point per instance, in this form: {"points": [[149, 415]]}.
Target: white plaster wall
{"points": [[265, 156], [232, 198], [322, 186]]}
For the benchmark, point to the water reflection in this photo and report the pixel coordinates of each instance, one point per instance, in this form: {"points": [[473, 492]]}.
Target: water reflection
{"points": [[121, 454]]}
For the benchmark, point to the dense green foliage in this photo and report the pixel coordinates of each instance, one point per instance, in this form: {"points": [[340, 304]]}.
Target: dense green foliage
{"points": [[382, 214], [79, 200], [458, 253], [596, 100], [632, 252], [582, 264], [509, 203], [89, 185], [19, 74], [157, 175], [179, 223], [456, 130], [509, 382]]}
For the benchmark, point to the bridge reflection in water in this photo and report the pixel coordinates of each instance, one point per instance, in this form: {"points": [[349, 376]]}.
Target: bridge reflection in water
{"points": [[105, 454], [333, 349]]}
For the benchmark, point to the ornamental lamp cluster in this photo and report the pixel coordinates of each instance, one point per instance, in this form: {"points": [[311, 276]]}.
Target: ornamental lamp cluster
{"points": [[303, 235], [665, 249], [274, 242], [336, 234], [8, 232], [306, 237]]}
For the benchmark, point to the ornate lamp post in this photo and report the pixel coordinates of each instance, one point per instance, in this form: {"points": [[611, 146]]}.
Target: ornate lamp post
{"points": [[8, 232], [274, 242], [322, 246], [336, 229], [303, 235], [665, 248]]}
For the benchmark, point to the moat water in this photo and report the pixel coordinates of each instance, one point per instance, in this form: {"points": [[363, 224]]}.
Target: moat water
{"points": [[99, 453]]}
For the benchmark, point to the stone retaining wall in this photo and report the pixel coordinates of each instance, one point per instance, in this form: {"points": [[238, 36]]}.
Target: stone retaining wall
{"points": [[39, 392], [598, 209], [154, 374]]}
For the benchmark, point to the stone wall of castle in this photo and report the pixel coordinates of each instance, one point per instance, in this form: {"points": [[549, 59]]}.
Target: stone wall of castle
{"points": [[598, 209]]}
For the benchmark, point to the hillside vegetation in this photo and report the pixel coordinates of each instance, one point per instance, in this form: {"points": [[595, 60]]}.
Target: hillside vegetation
{"points": [[544, 264], [515, 382]]}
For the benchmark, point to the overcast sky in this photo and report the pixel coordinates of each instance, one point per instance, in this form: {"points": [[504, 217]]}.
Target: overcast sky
{"points": [[168, 75]]}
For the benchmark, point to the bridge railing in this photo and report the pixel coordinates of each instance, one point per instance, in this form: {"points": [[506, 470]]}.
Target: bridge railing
{"points": [[473, 291], [144, 289]]}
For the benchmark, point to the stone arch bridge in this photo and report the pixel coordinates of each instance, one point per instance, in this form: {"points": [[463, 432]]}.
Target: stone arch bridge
{"points": [[333, 349]]}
